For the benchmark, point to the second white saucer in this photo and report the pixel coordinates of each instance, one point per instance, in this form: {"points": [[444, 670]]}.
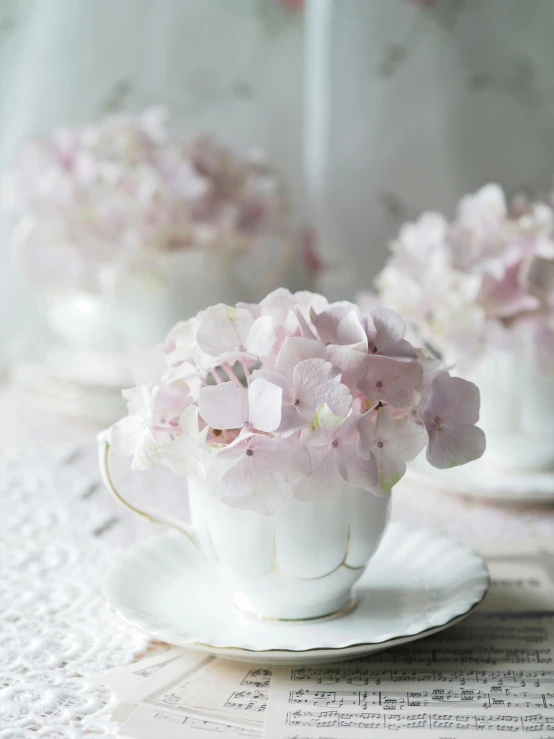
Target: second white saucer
{"points": [[481, 480], [418, 583]]}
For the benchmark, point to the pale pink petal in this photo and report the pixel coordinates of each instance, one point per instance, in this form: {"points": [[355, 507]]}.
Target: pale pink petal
{"points": [[390, 328], [350, 360], [391, 381], [453, 400], [327, 322], [506, 296], [280, 298], [317, 381], [324, 480], [409, 438], [264, 400], [237, 447], [296, 349], [392, 467], [351, 330], [305, 328], [354, 469], [451, 446], [223, 406], [253, 484], [297, 464], [366, 429], [262, 338]]}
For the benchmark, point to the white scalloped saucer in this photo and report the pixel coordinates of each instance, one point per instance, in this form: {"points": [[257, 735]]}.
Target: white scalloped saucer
{"points": [[482, 480], [419, 582]]}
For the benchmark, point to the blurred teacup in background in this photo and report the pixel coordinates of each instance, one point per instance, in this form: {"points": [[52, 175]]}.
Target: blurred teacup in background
{"points": [[479, 292], [121, 232]]}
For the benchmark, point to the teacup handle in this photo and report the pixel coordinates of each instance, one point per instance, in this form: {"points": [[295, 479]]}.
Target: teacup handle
{"points": [[150, 514]]}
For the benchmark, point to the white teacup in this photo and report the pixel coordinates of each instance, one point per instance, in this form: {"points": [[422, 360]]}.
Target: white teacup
{"points": [[517, 409], [299, 563], [143, 306]]}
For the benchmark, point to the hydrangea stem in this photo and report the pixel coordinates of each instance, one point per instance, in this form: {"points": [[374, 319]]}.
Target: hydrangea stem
{"points": [[229, 369], [245, 367], [216, 376]]}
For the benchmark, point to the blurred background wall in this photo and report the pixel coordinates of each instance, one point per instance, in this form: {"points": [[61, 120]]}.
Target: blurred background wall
{"points": [[232, 67], [424, 100]]}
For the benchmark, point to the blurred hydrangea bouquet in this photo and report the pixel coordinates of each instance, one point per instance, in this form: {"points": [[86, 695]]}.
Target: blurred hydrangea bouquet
{"points": [[482, 282], [294, 393], [98, 201]]}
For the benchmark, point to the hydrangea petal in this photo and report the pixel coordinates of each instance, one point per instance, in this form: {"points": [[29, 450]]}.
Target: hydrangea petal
{"points": [[265, 400], [453, 400], [262, 338], [223, 406], [296, 349], [324, 480], [353, 468], [452, 446], [253, 484]]}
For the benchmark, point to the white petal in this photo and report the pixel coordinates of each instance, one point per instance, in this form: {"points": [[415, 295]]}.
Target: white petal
{"points": [[223, 329], [147, 454], [124, 436], [265, 400], [325, 419], [223, 406], [177, 453], [261, 337]]}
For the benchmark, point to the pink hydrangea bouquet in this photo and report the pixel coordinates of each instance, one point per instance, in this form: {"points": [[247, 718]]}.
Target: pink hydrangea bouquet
{"points": [[296, 394], [484, 281], [97, 201]]}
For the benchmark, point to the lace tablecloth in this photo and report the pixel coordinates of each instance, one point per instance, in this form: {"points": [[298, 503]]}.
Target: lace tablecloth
{"points": [[61, 532]]}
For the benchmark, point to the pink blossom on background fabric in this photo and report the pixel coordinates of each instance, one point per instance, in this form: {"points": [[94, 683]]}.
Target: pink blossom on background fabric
{"points": [[294, 395], [292, 5], [475, 282], [307, 243], [101, 200]]}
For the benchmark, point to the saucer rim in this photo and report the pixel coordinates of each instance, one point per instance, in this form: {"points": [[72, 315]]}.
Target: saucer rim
{"points": [[502, 491], [385, 643]]}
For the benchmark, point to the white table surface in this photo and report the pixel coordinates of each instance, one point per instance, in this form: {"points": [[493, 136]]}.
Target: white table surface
{"points": [[60, 533]]}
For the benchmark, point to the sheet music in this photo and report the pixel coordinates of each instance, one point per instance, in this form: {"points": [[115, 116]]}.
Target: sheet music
{"points": [[176, 687], [151, 723], [237, 688], [124, 679], [492, 674]]}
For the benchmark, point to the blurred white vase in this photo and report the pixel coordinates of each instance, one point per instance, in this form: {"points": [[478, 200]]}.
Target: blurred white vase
{"points": [[144, 305], [517, 409]]}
